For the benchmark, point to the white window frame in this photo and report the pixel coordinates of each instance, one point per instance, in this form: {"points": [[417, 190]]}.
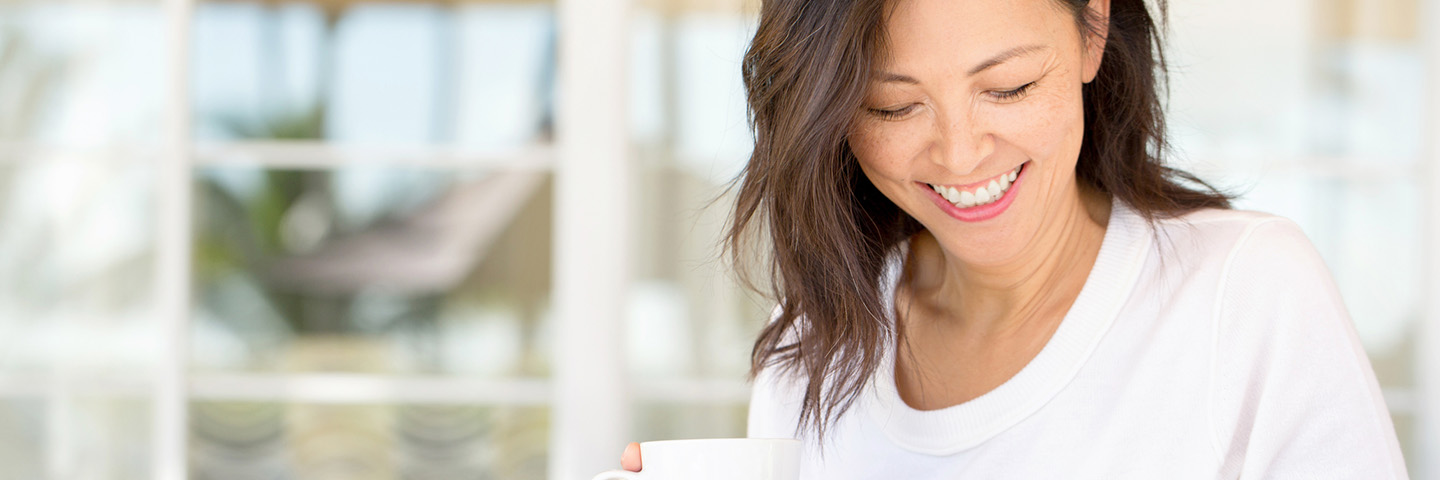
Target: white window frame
{"points": [[170, 455], [1427, 348]]}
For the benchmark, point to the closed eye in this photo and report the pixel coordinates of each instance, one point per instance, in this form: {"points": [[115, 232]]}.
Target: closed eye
{"points": [[1012, 94], [892, 114]]}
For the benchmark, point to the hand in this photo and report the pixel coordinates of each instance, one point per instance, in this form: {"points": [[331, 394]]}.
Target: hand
{"points": [[630, 460]]}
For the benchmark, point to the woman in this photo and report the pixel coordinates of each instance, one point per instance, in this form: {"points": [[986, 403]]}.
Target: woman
{"points": [[986, 271]]}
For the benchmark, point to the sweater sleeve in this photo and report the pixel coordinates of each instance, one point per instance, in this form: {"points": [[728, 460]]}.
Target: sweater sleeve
{"points": [[774, 411], [1292, 392], [774, 406]]}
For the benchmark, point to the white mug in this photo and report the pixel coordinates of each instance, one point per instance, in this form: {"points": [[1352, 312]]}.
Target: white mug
{"points": [[715, 459]]}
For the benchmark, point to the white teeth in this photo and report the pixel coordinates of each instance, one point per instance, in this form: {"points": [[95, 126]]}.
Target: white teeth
{"points": [[987, 193]]}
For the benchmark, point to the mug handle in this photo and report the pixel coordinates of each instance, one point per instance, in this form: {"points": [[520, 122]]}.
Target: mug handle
{"points": [[618, 474]]}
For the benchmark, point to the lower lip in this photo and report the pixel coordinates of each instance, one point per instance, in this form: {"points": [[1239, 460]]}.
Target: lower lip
{"points": [[979, 213]]}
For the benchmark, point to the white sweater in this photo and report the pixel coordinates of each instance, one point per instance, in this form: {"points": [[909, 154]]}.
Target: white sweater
{"points": [[1214, 345]]}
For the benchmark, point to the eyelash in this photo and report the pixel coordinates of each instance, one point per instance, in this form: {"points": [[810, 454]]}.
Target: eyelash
{"points": [[892, 114], [1002, 95], [1013, 94]]}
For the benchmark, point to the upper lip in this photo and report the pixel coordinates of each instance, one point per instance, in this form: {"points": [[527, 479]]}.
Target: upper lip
{"points": [[972, 186]]}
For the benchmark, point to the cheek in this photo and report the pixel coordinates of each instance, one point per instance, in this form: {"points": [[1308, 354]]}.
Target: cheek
{"points": [[1047, 129], [886, 157], [885, 151]]}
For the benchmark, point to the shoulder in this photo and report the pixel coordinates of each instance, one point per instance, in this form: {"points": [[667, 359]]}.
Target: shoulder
{"points": [[1263, 262], [1221, 233], [1259, 272], [1292, 392], [1225, 244], [1276, 301]]}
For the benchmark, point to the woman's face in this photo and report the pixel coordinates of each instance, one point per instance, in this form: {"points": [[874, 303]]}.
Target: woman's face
{"points": [[973, 94]]}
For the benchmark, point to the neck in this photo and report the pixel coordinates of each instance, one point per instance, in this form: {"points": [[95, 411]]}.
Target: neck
{"points": [[1030, 291]]}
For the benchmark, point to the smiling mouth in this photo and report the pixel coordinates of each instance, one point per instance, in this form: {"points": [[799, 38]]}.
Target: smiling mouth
{"points": [[983, 193]]}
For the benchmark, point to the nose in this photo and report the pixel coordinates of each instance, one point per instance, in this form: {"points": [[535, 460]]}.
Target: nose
{"points": [[960, 144]]}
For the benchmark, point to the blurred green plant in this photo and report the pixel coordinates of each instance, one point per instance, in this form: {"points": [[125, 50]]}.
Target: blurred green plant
{"points": [[242, 234], [239, 234], [306, 123]]}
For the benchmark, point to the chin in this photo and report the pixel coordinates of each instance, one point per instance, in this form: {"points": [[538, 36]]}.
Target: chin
{"points": [[989, 248]]}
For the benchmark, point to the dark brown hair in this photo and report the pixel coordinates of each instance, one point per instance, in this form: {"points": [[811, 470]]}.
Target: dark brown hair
{"points": [[828, 229]]}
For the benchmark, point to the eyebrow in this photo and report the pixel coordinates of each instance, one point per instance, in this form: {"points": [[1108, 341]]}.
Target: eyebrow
{"points": [[993, 61], [1006, 56]]}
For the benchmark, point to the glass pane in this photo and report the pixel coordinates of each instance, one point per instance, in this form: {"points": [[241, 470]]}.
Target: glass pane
{"points": [[65, 434], [474, 75], [78, 337], [372, 269], [1406, 429], [82, 73], [77, 244], [660, 421], [1296, 81], [356, 442], [23, 433], [79, 83], [689, 316]]}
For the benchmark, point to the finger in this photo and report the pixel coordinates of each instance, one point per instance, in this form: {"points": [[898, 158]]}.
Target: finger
{"points": [[630, 460]]}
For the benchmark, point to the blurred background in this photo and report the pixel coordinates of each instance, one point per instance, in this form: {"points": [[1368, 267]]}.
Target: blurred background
{"points": [[356, 239]]}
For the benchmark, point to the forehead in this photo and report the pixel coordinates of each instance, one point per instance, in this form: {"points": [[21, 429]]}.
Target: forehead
{"points": [[966, 31]]}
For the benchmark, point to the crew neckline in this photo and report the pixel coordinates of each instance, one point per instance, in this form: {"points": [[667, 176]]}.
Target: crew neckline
{"points": [[961, 427]]}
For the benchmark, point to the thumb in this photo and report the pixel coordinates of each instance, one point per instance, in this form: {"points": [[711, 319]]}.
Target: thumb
{"points": [[630, 460]]}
